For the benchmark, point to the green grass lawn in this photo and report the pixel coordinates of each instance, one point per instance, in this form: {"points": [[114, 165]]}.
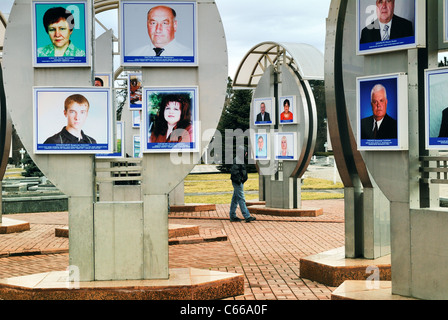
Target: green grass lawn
{"points": [[206, 184]]}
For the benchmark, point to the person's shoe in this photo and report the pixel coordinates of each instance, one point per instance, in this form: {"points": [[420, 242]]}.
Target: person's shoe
{"points": [[251, 219], [236, 219]]}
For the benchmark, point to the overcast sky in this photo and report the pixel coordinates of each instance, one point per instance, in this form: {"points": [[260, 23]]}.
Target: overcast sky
{"points": [[250, 22]]}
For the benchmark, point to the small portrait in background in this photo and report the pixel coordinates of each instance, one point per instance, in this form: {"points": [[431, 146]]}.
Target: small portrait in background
{"points": [[263, 109]]}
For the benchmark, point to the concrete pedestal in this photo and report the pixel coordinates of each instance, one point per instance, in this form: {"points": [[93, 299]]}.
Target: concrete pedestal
{"points": [[13, 226], [332, 268], [303, 212], [182, 284]]}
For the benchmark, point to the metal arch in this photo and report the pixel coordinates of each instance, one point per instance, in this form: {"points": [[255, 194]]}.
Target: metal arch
{"points": [[268, 57], [274, 54], [349, 161], [105, 5], [277, 55]]}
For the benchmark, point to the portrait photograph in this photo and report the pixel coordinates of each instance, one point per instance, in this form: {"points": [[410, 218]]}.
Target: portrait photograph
{"points": [[136, 118], [135, 89], [261, 146], [119, 143], [388, 25], [287, 106], [103, 80], [285, 145], [136, 146], [61, 34], [264, 111], [170, 119], [162, 33], [382, 116], [72, 120], [436, 108]]}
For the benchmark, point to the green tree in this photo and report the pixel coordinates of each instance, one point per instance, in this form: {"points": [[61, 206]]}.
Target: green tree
{"points": [[235, 115], [31, 170]]}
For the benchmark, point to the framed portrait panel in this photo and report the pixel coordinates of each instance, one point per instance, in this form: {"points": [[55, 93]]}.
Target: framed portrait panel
{"points": [[119, 143], [61, 33], [135, 88], [262, 146], [170, 119], [136, 118], [103, 80], [288, 114], [72, 120], [383, 25], [285, 145], [136, 146], [158, 33], [382, 121], [264, 111], [436, 108]]}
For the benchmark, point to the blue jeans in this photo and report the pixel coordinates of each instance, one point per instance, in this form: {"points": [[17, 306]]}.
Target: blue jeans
{"points": [[238, 199]]}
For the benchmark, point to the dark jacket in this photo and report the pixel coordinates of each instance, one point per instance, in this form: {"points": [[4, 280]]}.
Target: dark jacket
{"points": [[388, 128], [267, 117], [65, 137], [238, 172], [401, 28], [443, 132]]}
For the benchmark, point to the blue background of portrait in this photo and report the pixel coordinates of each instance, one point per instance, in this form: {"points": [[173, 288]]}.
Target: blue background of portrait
{"points": [[365, 88]]}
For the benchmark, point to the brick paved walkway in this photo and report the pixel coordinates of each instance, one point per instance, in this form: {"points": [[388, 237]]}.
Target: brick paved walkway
{"points": [[266, 251]]}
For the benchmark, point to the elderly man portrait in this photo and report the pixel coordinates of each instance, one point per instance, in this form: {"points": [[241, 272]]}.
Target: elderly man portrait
{"points": [[162, 25], [388, 25], [379, 125]]}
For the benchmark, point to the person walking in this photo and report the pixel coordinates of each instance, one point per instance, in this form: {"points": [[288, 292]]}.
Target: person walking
{"points": [[238, 175]]}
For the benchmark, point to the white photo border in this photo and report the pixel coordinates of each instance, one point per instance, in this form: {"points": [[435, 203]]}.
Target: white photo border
{"points": [[104, 145], [57, 62], [271, 110], [418, 40], [120, 136], [150, 61], [267, 146], [399, 82], [167, 147], [293, 109], [135, 106], [292, 156], [439, 142]]}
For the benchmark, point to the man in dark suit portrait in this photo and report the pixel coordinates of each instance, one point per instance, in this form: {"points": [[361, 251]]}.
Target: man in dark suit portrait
{"points": [[388, 26], [263, 115], [443, 132], [379, 125]]}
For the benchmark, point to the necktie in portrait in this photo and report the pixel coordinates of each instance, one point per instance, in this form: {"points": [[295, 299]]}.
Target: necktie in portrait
{"points": [[158, 51]]}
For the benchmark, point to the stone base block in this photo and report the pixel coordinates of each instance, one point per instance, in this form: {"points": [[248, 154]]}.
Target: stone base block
{"points": [[304, 212], [183, 284], [179, 230], [13, 226], [362, 290], [193, 207], [250, 203], [61, 232], [332, 268], [174, 231]]}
